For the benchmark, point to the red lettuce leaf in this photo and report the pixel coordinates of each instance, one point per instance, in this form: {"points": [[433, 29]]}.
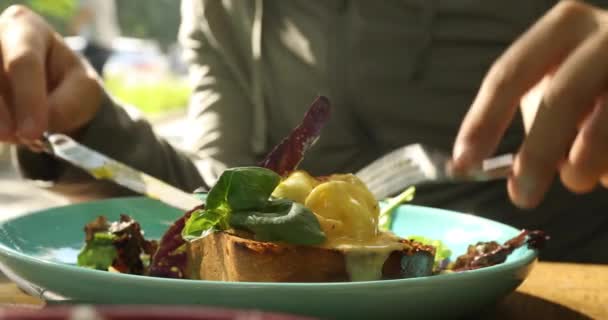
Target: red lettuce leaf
{"points": [[130, 244], [171, 258], [127, 240], [287, 155]]}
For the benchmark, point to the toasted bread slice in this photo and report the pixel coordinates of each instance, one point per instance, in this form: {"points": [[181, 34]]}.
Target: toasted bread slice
{"points": [[225, 257]]}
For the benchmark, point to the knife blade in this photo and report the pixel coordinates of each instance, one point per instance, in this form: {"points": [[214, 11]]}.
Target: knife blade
{"points": [[103, 167]]}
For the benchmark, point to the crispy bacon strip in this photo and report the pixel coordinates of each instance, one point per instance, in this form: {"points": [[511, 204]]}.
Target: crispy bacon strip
{"points": [[485, 254], [287, 155]]}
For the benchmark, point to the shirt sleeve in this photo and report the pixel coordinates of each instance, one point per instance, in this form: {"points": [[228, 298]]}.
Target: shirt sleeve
{"points": [[215, 135]]}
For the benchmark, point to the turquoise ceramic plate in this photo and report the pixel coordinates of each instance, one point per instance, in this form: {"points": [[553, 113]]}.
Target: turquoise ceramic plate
{"points": [[41, 249]]}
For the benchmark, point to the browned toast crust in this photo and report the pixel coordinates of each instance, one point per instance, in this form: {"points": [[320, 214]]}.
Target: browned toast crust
{"points": [[225, 257]]}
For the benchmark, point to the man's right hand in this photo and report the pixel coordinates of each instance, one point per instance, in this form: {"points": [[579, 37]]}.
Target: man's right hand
{"points": [[44, 85]]}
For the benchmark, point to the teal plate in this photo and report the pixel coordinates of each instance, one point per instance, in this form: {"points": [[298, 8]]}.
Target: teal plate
{"points": [[39, 251]]}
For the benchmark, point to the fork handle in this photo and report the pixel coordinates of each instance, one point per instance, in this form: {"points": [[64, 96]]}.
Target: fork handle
{"points": [[493, 168], [501, 166]]}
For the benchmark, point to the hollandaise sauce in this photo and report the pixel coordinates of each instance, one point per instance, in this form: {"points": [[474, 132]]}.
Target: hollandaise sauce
{"points": [[348, 214], [364, 261]]}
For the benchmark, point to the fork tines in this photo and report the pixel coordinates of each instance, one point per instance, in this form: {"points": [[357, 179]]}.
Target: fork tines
{"points": [[399, 169]]}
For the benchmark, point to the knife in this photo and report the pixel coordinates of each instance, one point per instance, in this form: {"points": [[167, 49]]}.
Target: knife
{"points": [[103, 167]]}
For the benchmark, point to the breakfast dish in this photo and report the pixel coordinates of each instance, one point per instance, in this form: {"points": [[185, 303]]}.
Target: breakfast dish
{"points": [[290, 249], [275, 223], [41, 255], [275, 240]]}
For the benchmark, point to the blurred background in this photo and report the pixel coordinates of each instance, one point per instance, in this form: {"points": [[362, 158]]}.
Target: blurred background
{"points": [[144, 67]]}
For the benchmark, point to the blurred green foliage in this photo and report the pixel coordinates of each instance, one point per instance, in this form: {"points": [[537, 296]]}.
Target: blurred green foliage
{"points": [[61, 9], [56, 12], [152, 19], [152, 98]]}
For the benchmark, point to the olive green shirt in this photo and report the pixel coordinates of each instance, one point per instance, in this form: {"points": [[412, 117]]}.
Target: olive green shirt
{"points": [[396, 72]]}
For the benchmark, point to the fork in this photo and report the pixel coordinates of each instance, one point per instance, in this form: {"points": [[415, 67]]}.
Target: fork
{"points": [[418, 164]]}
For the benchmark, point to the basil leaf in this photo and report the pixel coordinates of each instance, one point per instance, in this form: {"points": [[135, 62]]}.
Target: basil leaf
{"points": [[99, 252], [244, 188], [203, 221], [281, 220]]}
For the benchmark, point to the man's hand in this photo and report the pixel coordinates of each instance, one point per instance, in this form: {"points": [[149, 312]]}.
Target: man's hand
{"points": [[566, 52], [43, 84]]}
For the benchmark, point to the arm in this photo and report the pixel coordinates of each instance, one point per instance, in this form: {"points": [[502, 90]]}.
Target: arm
{"points": [[216, 136]]}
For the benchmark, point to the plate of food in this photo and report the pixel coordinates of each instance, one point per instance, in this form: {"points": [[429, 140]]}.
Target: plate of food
{"points": [[271, 238]]}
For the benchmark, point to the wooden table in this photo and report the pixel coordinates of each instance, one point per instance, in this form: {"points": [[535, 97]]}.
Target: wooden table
{"points": [[558, 291], [553, 291]]}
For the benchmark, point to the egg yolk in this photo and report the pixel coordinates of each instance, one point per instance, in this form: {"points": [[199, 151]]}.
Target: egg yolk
{"points": [[296, 187], [347, 211]]}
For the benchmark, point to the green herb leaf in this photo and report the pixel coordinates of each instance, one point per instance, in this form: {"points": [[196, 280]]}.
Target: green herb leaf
{"points": [[386, 216], [99, 252], [204, 221], [281, 220], [241, 200], [237, 189], [244, 188]]}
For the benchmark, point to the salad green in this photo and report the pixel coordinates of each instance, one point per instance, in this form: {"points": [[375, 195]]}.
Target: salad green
{"points": [[241, 199], [99, 253], [386, 216], [442, 252]]}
